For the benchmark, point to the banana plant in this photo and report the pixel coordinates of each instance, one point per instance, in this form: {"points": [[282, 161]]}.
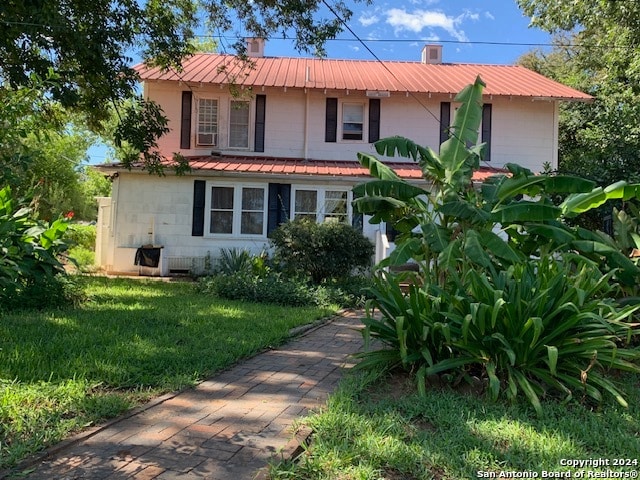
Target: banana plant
{"points": [[434, 222], [475, 245]]}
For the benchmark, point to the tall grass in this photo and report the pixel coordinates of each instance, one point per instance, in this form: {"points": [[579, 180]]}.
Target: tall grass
{"points": [[63, 370]]}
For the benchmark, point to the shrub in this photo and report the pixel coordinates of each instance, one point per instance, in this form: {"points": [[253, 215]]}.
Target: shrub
{"points": [[81, 236], [537, 327], [272, 288], [29, 250], [322, 251]]}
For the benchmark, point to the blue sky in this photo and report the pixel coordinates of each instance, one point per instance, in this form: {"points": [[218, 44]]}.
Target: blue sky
{"points": [[471, 31], [397, 30]]}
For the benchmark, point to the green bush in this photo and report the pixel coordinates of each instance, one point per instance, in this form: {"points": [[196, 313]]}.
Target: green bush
{"points": [[81, 236], [273, 288], [322, 251], [30, 270], [535, 328]]}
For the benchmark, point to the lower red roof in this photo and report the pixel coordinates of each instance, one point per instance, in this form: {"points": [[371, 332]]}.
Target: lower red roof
{"points": [[325, 168]]}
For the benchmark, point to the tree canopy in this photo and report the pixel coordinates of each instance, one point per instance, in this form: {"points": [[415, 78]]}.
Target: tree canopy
{"points": [[87, 46], [597, 50]]}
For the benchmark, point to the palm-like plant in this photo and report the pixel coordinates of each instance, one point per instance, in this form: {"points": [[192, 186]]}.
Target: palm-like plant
{"points": [[475, 246]]}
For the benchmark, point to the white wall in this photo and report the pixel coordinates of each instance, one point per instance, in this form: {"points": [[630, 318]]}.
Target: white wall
{"points": [[523, 131], [147, 209]]}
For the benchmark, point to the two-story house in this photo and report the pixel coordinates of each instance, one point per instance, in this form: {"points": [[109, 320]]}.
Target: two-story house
{"points": [[278, 140]]}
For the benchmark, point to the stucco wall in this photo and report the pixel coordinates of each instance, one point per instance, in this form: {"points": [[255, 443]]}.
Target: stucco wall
{"points": [[523, 131], [147, 209]]}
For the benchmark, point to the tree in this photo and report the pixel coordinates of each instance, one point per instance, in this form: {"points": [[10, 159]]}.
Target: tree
{"points": [[597, 50], [88, 45], [42, 149]]}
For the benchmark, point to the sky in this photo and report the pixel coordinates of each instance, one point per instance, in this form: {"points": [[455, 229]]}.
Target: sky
{"points": [[471, 31], [397, 30]]}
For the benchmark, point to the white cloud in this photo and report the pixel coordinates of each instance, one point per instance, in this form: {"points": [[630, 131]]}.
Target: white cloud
{"points": [[368, 20], [419, 20], [489, 16]]}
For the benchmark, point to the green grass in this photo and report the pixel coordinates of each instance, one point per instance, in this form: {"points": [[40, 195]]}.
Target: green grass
{"points": [[63, 370], [377, 429]]}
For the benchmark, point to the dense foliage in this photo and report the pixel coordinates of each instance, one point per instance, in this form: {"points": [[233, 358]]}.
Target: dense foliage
{"points": [[505, 290], [88, 45], [322, 251], [31, 274], [238, 275], [597, 51]]}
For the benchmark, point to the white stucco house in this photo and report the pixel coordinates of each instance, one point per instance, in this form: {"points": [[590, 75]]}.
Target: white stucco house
{"points": [[279, 140]]}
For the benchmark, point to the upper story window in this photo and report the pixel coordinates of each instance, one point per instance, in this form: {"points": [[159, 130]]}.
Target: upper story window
{"points": [[352, 121], [239, 124], [237, 210], [207, 133], [322, 205]]}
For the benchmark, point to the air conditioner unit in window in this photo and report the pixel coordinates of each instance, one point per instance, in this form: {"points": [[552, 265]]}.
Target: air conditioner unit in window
{"points": [[209, 139]]}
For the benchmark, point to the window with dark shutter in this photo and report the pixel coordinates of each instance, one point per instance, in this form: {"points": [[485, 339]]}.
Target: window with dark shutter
{"points": [[199, 192], [185, 121], [279, 205], [331, 120], [261, 101], [486, 130], [445, 121], [374, 120]]}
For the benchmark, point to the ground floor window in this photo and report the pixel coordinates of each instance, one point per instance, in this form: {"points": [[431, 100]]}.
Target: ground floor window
{"points": [[322, 205], [237, 210]]}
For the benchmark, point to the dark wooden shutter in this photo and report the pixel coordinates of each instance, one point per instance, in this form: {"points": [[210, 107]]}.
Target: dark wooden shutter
{"points": [[279, 205], [374, 120], [331, 121], [486, 130], [261, 103], [357, 219], [185, 120], [199, 193], [445, 121]]}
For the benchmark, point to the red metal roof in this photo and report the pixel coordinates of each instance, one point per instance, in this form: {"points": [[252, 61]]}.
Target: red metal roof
{"points": [[362, 75], [321, 168]]}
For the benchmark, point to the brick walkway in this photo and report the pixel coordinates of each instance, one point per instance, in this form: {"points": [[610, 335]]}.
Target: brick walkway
{"points": [[226, 428]]}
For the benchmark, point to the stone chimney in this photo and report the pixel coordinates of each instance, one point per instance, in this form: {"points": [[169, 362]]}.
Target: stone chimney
{"points": [[255, 47], [432, 54]]}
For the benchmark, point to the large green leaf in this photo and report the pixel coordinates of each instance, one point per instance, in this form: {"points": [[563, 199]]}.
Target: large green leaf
{"points": [[512, 187], [474, 251], [399, 189], [525, 211], [583, 202], [437, 237], [499, 247], [463, 210], [455, 156], [376, 167]]}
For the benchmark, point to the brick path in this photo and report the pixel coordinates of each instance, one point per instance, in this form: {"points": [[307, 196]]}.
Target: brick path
{"points": [[226, 428]]}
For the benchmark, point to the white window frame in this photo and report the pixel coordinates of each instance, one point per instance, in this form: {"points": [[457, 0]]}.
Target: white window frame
{"points": [[320, 201], [341, 121], [237, 210], [249, 124], [216, 123]]}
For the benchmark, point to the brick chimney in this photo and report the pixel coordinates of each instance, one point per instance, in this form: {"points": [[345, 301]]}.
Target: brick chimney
{"points": [[255, 47], [432, 54]]}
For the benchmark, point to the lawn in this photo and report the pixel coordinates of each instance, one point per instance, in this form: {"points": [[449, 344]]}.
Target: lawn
{"points": [[63, 370], [375, 429]]}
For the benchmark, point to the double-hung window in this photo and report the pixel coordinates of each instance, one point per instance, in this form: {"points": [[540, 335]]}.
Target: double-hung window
{"points": [[207, 122], [239, 124], [352, 121], [322, 205], [237, 210]]}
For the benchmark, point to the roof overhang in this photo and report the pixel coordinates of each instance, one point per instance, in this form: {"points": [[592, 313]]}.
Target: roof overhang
{"points": [[289, 168]]}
